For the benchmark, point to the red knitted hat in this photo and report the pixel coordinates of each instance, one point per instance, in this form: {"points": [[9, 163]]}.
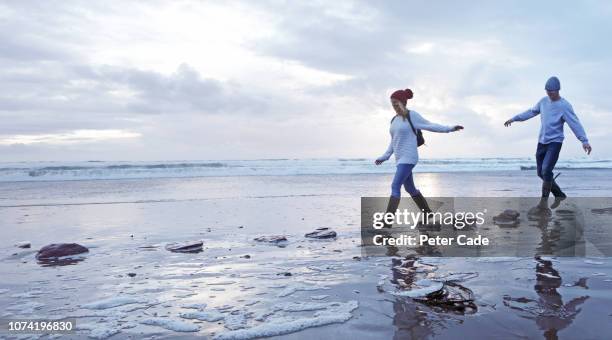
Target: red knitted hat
{"points": [[402, 95]]}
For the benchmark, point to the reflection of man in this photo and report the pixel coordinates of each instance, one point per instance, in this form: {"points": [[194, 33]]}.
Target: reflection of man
{"points": [[550, 313], [554, 112], [555, 315]]}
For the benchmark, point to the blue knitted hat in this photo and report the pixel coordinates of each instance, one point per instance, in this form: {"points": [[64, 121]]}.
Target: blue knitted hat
{"points": [[553, 84]]}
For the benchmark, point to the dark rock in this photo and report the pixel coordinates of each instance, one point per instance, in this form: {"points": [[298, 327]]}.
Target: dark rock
{"points": [[56, 250], [322, 233], [185, 247], [131, 274], [246, 256], [60, 254], [284, 274], [23, 245]]}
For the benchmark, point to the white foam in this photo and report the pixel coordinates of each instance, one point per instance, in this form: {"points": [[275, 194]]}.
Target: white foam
{"points": [[25, 308], [3, 291], [299, 287], [319, 297], [424, 287], [27, 295], [282, 326], [210, 316], [235, 321], [102, 332], [305, 306], [222, 283], [593, 262], [172, 325], [198, 306], [111, 302]]}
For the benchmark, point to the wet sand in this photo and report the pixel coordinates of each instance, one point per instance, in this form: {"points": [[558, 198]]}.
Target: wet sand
{"points": [[126, 224]]}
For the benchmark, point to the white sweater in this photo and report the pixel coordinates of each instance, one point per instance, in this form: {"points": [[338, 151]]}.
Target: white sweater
{"points": [[403, 141]]}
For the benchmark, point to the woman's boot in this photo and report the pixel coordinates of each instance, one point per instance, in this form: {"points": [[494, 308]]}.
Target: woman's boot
{"points": [[391, 208], [421, 202]]}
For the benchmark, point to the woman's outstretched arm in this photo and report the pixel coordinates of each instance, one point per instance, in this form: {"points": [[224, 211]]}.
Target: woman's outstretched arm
{"points": [[423, 124]]}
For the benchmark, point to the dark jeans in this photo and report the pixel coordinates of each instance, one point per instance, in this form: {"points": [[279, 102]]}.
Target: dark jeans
{"points": [[546, 158]]}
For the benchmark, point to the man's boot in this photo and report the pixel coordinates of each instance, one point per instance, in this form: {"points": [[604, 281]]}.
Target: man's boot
{"points": [[542, 207], [546, 188], [556, 190], [558, 193], [392, 208]]}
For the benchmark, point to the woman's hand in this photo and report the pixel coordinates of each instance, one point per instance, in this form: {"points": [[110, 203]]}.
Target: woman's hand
{"points": [[457, 128], [378, 162], [508, 123], [587, 148]]}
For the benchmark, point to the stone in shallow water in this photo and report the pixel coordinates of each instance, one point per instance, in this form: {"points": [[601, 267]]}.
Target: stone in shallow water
{"points": [[56, 250], [322, 233], [185, 247], [24, 244]]}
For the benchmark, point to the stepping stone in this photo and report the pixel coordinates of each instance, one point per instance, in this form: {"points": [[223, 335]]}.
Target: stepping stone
{"points": [[322, 233], [185, 247]]}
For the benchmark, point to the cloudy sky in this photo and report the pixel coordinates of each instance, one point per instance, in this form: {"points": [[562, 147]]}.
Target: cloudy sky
{"points": [[172, 80]]}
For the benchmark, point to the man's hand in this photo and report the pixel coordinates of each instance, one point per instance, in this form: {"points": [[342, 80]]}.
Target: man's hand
{"points": [[508, 123], [457, 128], [587, 148], [378, 162]]}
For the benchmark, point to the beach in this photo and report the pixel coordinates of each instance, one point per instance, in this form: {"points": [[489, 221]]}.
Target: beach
{"points": [[129, 285]]}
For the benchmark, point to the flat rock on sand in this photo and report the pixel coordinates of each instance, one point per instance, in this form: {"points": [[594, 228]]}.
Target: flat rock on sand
{"points": [[271, 239], [322, 233], [185, 247], [56, 250]]}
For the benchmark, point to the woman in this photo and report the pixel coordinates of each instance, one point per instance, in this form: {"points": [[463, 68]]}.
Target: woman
{"points": [[404, 145]]}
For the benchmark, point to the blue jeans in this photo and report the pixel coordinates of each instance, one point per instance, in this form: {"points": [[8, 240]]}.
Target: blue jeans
{"points": [[403, 176], [546, 158]]}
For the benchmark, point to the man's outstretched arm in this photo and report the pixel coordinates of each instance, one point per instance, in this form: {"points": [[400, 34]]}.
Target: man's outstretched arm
{"points": [[534, 111]]}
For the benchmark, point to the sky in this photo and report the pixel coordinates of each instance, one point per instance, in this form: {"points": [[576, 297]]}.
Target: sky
{"points": [[198, 80]]}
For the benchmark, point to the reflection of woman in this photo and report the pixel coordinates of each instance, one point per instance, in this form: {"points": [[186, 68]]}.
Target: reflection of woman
{"points": [[403, 144]]}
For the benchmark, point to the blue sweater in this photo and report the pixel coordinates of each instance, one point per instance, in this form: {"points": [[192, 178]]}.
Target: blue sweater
{"points": [[553, 115]]}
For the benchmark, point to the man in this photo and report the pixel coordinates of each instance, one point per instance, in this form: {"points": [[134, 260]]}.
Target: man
{"points": [[554, 111]]}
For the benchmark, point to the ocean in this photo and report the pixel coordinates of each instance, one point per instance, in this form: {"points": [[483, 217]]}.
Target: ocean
{"points": [[92, 170]]}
